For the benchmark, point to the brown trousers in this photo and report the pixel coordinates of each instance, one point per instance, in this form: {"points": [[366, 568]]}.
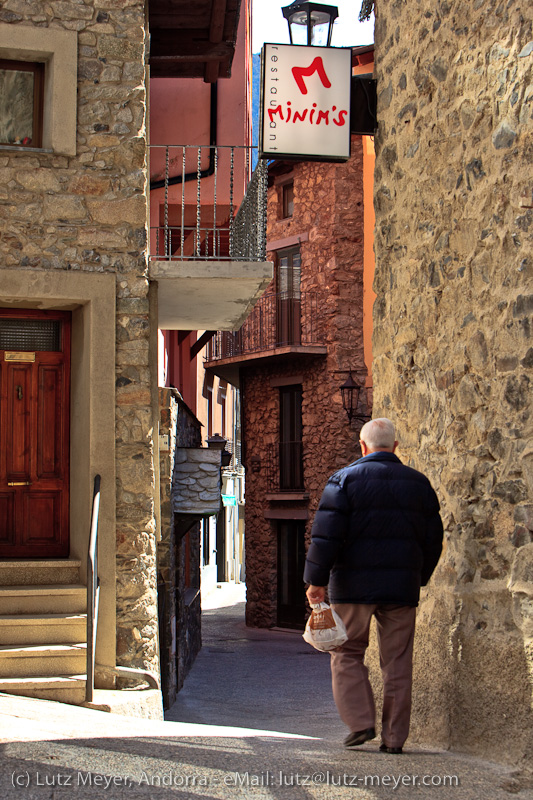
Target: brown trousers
{"points": [[351, 688]]}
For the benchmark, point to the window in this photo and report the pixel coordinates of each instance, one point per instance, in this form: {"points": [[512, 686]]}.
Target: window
{"points": [[287, 194], [222, 391], [30, 334], [40, 91], [289, 272], [291, 477], [21, 103], [284, 184], [289, 296], [209, 390]]}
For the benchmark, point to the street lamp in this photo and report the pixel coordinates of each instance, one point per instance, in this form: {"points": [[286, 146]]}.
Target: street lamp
{"points": [[310, 23], [350, 391]]}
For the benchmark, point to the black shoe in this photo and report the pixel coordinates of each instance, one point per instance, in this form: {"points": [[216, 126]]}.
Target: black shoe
{"points": [[393, 751], [359, 737]]}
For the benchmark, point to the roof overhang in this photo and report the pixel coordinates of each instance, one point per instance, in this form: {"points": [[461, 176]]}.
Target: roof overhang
{"points": [[192, 39], [208, 295]]}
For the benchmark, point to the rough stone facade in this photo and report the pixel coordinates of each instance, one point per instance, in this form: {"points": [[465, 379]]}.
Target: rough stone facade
{"points": [[166, 549], [87, 212], [452, 343], [190, 490], [328, 217]]}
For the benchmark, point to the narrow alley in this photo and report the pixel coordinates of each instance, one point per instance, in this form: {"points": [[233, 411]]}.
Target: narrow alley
{"points": [[255, 719]]}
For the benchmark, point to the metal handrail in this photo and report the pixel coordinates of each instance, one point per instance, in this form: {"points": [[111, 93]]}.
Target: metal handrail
{"points": [[93, 592]]}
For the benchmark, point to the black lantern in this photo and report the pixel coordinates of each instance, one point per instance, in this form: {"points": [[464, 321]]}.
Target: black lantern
{"points": [[310, 23], [225, 457], [350, 391]]}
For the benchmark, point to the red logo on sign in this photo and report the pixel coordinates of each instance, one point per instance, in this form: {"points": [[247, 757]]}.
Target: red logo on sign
{"points": [[305, 72]]}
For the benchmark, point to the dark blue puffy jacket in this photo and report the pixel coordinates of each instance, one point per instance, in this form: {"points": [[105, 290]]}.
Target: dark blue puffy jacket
{"points": [[377, 534]]}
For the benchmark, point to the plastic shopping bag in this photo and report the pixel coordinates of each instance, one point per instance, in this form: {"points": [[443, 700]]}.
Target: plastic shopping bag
{"points": [[324, 630]]}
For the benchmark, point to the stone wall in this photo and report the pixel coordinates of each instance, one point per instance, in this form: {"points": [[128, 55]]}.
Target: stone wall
{"points": [[87, 212], [178, 557], [328, 208], [452, 345], [166, 548], [189, 606]]}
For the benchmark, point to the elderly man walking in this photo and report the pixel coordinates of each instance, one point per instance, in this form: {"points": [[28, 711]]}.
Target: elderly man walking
{"points": [[376, 539]]}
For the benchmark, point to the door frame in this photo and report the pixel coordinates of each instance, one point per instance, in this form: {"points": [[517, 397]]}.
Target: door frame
{"points": [[92, 299]]}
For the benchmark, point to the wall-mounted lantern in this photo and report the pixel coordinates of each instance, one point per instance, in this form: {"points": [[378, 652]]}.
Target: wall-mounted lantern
{"points": [[225, 458], [310, 23], [217, 442], [350, 391]]}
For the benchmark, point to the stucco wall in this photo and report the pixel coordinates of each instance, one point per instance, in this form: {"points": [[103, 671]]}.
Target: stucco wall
{"points": [[85, 211], [452, 345]]}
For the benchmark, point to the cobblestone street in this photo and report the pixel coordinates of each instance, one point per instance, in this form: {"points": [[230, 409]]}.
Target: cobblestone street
{"points": [[255, 719]]}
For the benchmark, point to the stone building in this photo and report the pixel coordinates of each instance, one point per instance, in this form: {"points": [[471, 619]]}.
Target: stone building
{"points": [[81, 302], [303, 338], [452, 345]]}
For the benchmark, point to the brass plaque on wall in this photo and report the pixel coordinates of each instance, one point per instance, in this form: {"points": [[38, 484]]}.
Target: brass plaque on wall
{"points": [[19, 356]]}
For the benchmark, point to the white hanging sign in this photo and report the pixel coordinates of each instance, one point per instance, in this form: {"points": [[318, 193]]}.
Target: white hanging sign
{"points": [[305, 104]]}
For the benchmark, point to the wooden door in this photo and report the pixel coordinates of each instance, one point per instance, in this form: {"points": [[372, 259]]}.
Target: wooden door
{"points": [[291, 559], [34, 433]]}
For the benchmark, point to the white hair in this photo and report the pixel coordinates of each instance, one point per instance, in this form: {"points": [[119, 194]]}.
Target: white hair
{"points": [[378, 434]]}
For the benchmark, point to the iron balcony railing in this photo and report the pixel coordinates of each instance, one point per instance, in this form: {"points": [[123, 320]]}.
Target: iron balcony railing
{"points": [[193, 204], [285, 467], [279, 319]]}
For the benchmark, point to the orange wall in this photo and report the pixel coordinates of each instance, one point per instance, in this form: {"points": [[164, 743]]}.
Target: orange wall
{"points": [[368, 258], [365, 66], [180, 115]]}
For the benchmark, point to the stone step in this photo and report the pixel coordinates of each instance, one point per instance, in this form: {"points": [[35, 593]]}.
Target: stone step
{"points": [[43, 599], [18, 572], [45, 660], [43, 629], [62, 688]]}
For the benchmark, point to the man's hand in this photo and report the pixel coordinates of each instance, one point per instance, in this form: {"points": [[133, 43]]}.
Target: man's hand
{"points": [[316, 594]]}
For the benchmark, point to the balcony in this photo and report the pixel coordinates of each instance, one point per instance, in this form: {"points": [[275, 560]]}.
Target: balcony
{"points": [[285, 474], [281, 325], [207, 257]]}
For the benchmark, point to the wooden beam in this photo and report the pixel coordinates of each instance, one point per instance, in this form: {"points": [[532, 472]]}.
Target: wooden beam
{"points": [[218, 19], [164, 46], [201, 343], [212, 69]]}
